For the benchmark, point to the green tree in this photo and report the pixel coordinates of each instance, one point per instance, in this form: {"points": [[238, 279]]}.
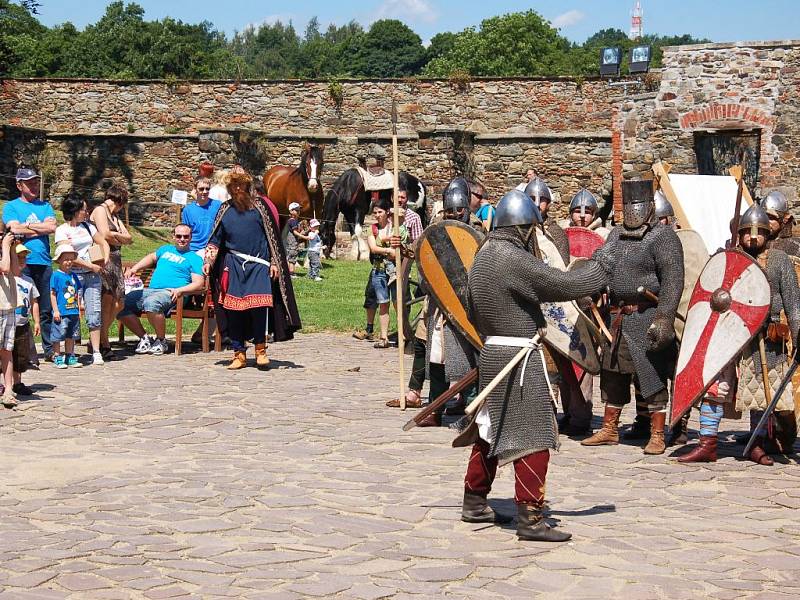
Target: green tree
{"points": [[389, 49], [19, 32], [440, 45]]}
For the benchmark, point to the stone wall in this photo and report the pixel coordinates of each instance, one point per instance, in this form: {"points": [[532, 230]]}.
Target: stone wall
{"points": [[742, 87]]}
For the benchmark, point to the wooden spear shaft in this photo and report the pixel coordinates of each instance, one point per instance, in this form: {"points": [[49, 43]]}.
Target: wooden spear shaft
{"points": [[397, 258]]}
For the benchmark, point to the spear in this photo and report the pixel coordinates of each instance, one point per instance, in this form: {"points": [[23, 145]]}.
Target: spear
{"points": [[397, 259], [738, 209]]}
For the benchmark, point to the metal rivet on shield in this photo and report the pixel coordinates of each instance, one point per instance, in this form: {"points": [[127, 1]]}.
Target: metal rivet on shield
{"points": [[721, 300]]}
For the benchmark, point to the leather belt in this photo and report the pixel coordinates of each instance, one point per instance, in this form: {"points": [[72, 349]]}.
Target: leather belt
{"points": [[620, 310]]}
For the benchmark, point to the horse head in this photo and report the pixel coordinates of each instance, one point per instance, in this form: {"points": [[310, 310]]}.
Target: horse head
{"points": [[311, 162]]}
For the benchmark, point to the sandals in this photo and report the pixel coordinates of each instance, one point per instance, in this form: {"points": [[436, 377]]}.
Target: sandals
{"points": [[757, 455], [382, 343], [413, 400]]}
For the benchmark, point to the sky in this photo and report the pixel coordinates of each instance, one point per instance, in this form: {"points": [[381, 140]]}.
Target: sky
{"points": [[731, 20]]}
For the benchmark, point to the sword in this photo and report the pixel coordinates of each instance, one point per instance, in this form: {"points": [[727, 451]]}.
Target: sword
{"points": [[771, 407], [451, 392], [653, 298]]}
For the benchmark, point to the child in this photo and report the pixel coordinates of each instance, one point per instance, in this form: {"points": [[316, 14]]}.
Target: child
{"points": [[314, 250], [8, 304], [27, 304], [64, 288], [291, 237]]}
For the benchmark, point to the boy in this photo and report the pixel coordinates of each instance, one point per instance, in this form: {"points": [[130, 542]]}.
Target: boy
{"points": [[27, 304], [292, 237], [8, 304], [314, 250], [66, 315]]}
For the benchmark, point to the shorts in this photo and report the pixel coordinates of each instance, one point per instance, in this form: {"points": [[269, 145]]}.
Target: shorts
{"points": [[148, 300], [20, 356], [382, 289], [8, 326], [91, 292], [113, 277], [68, 328], [292, 248]]}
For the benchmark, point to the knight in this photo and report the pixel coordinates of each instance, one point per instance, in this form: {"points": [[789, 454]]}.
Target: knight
{"points": [[768, 350], [645, 260], [542, 197], [507, 283], [776, 205], [664, 211], [583, 209]]}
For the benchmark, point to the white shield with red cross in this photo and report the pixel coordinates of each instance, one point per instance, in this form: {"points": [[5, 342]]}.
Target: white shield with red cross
{"points": [[729, 305]]}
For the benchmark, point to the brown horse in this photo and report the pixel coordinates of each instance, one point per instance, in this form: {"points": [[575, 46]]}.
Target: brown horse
{"points": [[301, 184]]}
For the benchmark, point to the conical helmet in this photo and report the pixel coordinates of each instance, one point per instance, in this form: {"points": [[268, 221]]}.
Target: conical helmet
{"points": [[537, 191], [663, 206], [753, 219], [585, 201], [516, 208], [775, 204], [456, 194]]}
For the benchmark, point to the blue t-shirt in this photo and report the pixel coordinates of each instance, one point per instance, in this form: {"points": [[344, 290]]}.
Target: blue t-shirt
{"points": [[65, 286], [484, 211], [26, 213], [174, 268], [201, 220]]}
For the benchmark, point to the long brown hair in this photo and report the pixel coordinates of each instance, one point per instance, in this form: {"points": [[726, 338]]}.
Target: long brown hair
{"points": [[241, 179]]}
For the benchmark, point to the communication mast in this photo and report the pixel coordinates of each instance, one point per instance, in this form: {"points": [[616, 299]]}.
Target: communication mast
{"points": [[636, 21]]}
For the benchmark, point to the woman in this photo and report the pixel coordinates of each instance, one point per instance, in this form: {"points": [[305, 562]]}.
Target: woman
{"points": [[81, 234], [249, 274], [105, 218]]}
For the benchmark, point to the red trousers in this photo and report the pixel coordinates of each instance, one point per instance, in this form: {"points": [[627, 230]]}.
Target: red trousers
{"points": [[530, 474]]}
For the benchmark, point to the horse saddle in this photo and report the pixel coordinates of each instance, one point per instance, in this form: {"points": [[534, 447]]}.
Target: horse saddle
{"points": [[383, 180], [376, 170]]}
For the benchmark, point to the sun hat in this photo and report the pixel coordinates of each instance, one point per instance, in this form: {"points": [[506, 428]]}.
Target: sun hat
{"points": [[64, 249], [294, 206], [314, 223], [21, 249]]}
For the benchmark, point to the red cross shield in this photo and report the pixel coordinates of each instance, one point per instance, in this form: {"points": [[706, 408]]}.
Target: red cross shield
{"points": [[583, 242], [729, 305]]}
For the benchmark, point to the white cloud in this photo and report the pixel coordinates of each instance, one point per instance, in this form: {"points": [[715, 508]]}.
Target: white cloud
{"points": [[571, 17], [407, 10]]}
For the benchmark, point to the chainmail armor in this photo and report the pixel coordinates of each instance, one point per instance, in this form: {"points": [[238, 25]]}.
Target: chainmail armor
{"points": [[789, 245], [559, 238], [654, 262], [506, 285]]}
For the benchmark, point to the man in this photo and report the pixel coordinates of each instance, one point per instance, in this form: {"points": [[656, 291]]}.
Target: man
{"points": [[542, 197], [641, 254], [530, 175], [776, 206], [200, 216], [412, 221], [35, 221], [480, 206], [178, 271], [507, 283], [664, 211]]}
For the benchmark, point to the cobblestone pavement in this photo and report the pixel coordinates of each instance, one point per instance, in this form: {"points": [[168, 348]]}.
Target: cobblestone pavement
{"points": [[170, 477]]}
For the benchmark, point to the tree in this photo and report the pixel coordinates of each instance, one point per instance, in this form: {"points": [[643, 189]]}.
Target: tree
{"points": [[19, 31], [441, 44], [389, 49]]}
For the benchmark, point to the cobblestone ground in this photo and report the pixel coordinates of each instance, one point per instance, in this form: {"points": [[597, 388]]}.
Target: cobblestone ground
{"points": [[170, 477]]}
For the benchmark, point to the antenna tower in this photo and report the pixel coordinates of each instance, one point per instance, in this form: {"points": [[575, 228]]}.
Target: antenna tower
{"points": [[636, 21]]}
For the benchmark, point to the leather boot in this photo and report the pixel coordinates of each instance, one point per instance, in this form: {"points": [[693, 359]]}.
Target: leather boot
{"points": [[656, 444], [239, 360], [679, 435], [531, 526], [432, 420], [640, 430], [476, 509], [757, 454], [261, 355], [609, 433], [705, 451]]}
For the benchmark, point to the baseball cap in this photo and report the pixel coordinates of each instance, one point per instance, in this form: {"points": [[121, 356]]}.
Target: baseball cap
{"points": [[25, 174], [64, 249], [313, 223], [21, 249], [294, 206]]}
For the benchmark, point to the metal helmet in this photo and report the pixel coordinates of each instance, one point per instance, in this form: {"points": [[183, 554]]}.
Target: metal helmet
{"points": [[775, 204], [516, 208], [663, 206], [637, 203], [753, 219], [585, 201], [456, 194], [537, 191]]}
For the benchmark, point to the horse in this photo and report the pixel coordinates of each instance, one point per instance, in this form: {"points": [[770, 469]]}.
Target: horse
{"points": [[284, 185], [348, 196]]}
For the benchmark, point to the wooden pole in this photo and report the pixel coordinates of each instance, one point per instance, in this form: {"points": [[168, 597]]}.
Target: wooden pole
{"points": [[397, 261]]}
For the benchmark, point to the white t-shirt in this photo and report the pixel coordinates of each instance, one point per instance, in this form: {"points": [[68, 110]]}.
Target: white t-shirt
{"points": [[80, 238], [26, 294]]}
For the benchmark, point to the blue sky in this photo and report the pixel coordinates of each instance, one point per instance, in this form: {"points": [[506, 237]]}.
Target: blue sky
{"points": [[730, 20]]}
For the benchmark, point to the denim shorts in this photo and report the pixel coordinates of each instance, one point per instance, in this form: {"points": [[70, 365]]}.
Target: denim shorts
{"points": [[147, 300], [68, 328], [91, 291], [380, 286]]}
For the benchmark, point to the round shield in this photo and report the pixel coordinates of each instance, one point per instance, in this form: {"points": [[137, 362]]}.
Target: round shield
{"points": [[729, 305], [695, 257], [583, 242]]}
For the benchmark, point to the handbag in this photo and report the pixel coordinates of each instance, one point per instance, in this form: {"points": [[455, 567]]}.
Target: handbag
{"points": [[96, 255]]}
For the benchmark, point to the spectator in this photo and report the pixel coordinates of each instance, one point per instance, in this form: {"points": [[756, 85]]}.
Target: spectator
{"points": [[105, 218], [480, 206], [292, 236], [81, 235], [412, 221], [27, 305], [201, 215], [530, 175], [8, 319], [314, 251], [219, 190], [178, 271], [66, 326], [35, 220]]}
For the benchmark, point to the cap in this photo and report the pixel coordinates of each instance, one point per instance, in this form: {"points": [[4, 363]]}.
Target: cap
{"points": [[64, 249], [314, 223], [25, 174], [294, 206], [21, 249]]}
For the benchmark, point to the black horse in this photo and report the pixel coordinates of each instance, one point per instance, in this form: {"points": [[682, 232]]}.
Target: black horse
{"points": [[347, 195]]}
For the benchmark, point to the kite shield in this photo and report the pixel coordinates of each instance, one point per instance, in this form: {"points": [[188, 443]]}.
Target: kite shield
{"points": [[728, 307], [583, 242], [695, 257]]}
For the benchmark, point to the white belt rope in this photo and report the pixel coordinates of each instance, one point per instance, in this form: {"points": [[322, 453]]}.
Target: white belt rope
{"points": [[247, 258], [521, 342]]}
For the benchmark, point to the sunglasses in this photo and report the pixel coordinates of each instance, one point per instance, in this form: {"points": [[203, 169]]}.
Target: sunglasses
{"points": [[203, 189], [182, 237]]}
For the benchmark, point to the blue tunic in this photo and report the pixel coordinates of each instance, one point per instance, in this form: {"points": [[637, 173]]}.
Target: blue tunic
{"points": [[245, 283]]}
